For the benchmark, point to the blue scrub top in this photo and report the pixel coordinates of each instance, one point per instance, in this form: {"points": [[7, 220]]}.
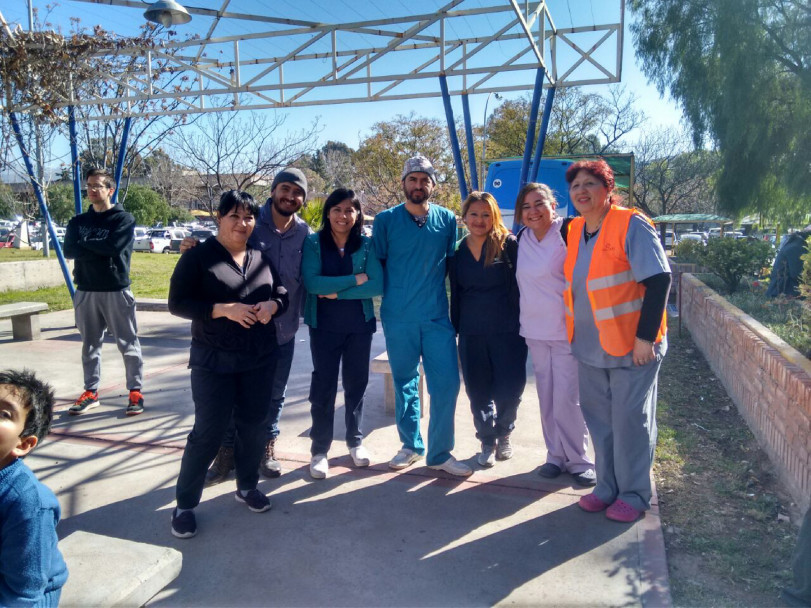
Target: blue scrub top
{"points": [[414, 262]]}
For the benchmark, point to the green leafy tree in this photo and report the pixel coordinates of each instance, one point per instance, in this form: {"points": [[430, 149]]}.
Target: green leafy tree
{"points": [[61, 203], [740, 71], [689, 251], [380, 158], [146, 205], [732, 259], [581, 123], [8, 202], [333, 162]]}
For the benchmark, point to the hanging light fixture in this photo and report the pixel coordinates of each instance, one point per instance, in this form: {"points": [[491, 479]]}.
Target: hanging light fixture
{"points": [[167, 12]]}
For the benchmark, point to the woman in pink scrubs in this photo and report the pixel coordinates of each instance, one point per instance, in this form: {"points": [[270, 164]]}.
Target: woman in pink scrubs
{"points": [[539, 271]]}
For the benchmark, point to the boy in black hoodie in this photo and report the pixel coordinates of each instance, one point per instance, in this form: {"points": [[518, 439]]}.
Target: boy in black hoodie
{"points": [[100, 241]]}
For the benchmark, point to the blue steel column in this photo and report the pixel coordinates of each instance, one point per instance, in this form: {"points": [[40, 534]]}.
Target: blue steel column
{"points": [[533, 120], [122, 153], [43, 208], [471, 151], [74, 157], [547, 112], [457, 157]]}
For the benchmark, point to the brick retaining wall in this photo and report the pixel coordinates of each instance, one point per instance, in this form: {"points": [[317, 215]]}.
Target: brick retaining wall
{"points": [[769, 381]]}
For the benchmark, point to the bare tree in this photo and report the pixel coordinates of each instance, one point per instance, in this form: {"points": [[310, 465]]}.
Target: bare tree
{"points": [[671, 177], [234, 151]]}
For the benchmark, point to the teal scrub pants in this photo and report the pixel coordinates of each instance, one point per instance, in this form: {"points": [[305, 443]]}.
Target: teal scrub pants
{"points": [[435, 342]]}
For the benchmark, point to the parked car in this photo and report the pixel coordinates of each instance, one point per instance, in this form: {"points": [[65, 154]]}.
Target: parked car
{"points": [[159, 240], [177, 238], [141, 232], [693, 236], [202, 234], [7, 240]]}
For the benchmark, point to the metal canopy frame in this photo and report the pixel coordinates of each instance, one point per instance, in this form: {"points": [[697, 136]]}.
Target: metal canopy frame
{"points": [[260, 61]]}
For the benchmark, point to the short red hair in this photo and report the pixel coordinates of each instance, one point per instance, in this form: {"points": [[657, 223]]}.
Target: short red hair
{"points": [[597, 168]]}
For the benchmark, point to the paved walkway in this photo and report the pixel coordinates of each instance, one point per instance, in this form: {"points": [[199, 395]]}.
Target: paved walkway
{"points": [[362, 537]]}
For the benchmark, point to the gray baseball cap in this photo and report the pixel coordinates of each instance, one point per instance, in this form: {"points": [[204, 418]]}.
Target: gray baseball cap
{"points": [[419, 164]]}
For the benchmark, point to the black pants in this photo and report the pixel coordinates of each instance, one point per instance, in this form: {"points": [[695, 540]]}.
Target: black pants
{"points": [[217, 397], [329, 349], [494, 367]]}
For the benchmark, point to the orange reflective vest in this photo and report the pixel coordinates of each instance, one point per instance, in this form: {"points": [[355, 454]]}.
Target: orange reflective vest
{"points": [[614, 294]]}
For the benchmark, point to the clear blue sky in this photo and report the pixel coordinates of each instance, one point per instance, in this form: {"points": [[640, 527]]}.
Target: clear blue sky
{"points": [[660, 112]]}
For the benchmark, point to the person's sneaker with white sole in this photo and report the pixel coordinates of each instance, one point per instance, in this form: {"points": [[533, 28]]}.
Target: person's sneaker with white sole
{"points": [[487, 457], [319, 466], [453, 467], [256, 501], [404, 459], [360, 456], [184, 525]]}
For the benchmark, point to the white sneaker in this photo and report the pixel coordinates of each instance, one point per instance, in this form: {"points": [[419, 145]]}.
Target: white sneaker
{"points": [[454, 467], [487, 458], [404, 459], [360, 456], [319, 466]]}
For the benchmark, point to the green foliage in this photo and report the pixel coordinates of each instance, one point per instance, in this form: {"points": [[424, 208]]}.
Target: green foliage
{"points": [[146, 205], [689, 251], [179, 214], [732, 259], [7, 201], [805, 275], [312, 212], [61, 204], [703, 53], [380, 158]]}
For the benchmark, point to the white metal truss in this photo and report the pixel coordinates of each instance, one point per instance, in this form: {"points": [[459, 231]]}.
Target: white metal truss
{"points": [[254, 61]]}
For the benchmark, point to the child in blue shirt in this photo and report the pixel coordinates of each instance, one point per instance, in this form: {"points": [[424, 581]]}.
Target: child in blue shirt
{"points": [[32, 571]]}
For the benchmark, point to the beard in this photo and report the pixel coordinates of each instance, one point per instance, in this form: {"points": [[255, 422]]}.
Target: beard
{"points": [[281, 210], [417, 196]]}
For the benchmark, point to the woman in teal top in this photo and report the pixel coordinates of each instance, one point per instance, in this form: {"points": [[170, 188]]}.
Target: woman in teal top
{"points": [[341, 274]]}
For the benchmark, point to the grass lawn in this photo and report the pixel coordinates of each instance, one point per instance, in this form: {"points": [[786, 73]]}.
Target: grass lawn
{"points": [[150, 273]]}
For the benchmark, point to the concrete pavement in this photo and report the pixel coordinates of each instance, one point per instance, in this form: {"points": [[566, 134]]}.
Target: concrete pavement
{"points": [[362, 537]]}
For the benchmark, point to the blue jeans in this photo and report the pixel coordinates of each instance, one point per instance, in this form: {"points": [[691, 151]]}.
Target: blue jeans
{"points": [[284, 360]]}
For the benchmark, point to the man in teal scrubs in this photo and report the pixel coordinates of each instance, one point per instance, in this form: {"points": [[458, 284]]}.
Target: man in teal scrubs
{"points": [[413, 241]]}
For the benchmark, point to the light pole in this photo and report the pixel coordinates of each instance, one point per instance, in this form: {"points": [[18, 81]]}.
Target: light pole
{"points": [[484, 135]]}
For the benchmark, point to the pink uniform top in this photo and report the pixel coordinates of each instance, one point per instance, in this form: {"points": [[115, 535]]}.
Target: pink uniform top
{"points": [[539, 272]]}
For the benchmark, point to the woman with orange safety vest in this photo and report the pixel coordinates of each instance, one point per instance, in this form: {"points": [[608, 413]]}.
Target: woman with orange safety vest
{"points": [[617, 283]]}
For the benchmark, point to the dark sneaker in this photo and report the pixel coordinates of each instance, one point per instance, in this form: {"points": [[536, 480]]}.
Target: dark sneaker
{"points": [[270, 467], [184, 525], [549, 470], [221, 467], [87, 400], [256, 501], [136, 404]]}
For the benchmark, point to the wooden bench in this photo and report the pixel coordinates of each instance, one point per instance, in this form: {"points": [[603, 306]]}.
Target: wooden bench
{"points": [[380, 365], [24, 319], [105, 571]]}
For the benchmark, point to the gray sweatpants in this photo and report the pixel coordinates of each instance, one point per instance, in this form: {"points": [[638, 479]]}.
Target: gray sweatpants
{"points": [[619, 405], [98, 311]]}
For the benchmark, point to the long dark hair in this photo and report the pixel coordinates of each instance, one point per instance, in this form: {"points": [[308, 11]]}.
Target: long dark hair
{"points": [[337, 196]]}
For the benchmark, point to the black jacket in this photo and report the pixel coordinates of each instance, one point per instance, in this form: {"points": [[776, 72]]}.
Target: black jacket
{"points": [[207, 275], [101, 245]]}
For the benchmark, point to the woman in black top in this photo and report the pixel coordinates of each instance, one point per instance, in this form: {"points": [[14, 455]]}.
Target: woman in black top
{"points": [[484, 312], [341, 274], [230, 292]]}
